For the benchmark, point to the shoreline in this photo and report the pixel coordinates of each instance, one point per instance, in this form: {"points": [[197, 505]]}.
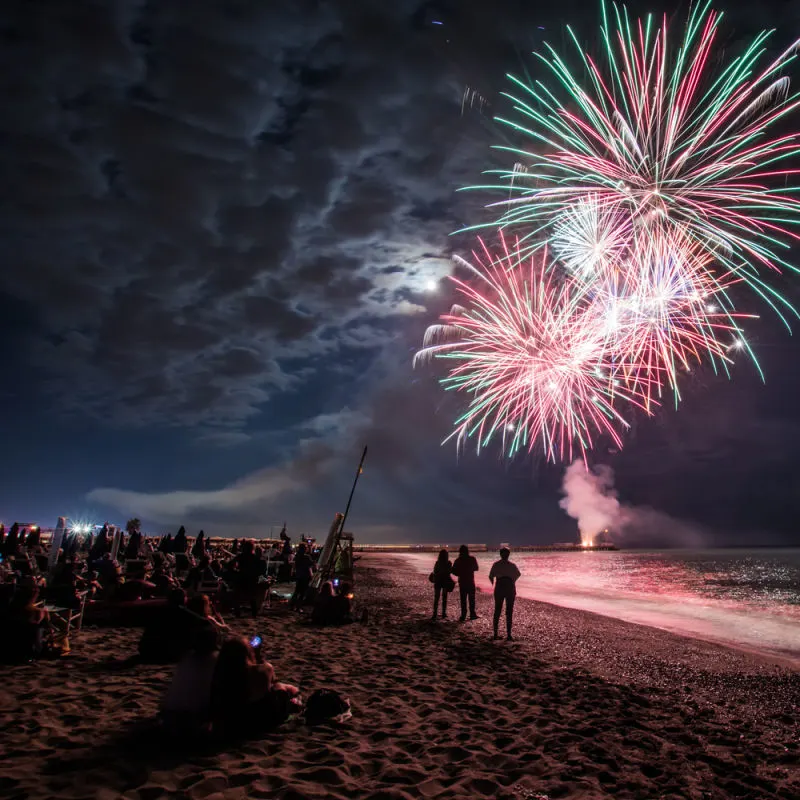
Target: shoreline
{"points": [[669, 624], [580, 707]]}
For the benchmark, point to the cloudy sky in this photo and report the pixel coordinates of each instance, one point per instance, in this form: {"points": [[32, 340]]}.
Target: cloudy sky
{"points": [[220, 222]]}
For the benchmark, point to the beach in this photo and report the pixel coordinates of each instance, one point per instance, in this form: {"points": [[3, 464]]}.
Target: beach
{"points": [[580, 706]]}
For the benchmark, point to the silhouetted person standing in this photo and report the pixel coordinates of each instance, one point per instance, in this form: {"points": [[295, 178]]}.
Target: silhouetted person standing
{"points": [[303, 570], [464, 568], [442, 582], [504, 575]]}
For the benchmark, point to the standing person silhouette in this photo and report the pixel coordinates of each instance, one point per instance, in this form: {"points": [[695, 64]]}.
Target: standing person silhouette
{"points": [[504, 575], [442, 582], [464, 568]]}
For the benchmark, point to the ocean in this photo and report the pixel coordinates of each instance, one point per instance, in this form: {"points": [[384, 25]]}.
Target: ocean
{"points": [[747, 598]]}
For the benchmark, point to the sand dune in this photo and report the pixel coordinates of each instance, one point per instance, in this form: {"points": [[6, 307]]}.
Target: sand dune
{"points": [[581, 707]]}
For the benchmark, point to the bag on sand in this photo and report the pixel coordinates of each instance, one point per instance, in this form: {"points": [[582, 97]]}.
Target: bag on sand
{"points": [[326, 704]]}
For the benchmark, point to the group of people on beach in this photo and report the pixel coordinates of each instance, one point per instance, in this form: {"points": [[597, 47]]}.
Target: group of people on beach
{"points": [[164, 585], [503, 575]]}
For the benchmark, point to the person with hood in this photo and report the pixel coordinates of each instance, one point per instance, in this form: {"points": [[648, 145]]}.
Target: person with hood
{"points": [[464, 568], [504, 575]]}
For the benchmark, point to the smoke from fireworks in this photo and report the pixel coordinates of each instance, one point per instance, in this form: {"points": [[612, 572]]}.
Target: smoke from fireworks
{"points": [[590, 500]]}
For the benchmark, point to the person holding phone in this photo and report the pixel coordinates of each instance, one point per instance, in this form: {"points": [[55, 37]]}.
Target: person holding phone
{"points": [[245, 697]]}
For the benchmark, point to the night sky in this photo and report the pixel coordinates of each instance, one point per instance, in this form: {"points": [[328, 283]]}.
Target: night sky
{"points": [[218, 223]]}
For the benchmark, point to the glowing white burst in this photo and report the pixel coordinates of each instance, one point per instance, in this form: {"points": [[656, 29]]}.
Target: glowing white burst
{"points": [[587, 237]]}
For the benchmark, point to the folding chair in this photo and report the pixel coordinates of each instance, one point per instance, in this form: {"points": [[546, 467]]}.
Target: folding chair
{"points": [[67, 616]]}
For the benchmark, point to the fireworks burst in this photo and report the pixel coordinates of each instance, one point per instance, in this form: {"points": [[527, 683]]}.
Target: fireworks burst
{"points": [[658, 135], [658, 184], [529, 352]]}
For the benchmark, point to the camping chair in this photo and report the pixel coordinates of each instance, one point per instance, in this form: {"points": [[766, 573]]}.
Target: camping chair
{"points": [[66, 616]]}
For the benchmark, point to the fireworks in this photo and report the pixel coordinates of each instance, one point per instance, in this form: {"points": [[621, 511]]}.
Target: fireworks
{"points": [[530, 353], [658, 135], [651, 183]]}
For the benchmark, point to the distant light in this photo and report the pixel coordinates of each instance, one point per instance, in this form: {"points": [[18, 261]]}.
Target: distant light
{"points": [[542, 28], [738, 344], [510, 427], [437, 22], [431, 285]]}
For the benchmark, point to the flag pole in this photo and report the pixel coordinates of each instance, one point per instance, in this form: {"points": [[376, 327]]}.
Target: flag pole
{"points": [[352, 491]]}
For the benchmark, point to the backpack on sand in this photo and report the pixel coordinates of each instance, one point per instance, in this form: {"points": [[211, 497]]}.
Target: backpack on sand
{"points": [[325, 705]]}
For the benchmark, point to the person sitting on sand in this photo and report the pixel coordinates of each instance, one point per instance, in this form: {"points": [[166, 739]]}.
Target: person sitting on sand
{"points": [[91, 584], [186, 708], [200, 606], [245, 698], [464, 568], [161, 576], [63, 587], [442, 582], [332, 607], [27, 627], [504, 575], [323, 606], [341, 613]]}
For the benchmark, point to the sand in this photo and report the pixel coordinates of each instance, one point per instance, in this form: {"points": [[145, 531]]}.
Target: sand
{"points": [[581, 706]]}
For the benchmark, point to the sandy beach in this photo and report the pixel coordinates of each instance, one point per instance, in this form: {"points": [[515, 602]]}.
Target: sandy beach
{"points": [[581, 706]]}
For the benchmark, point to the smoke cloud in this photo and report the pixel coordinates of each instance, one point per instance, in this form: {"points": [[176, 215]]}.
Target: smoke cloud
{"points": [[591, 500]]}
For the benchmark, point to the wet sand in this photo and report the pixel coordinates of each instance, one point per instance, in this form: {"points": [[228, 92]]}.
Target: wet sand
{"points": [[581, 706]]}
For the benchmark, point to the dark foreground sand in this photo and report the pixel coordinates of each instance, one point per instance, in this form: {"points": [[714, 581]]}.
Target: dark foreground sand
{"points": [[581, 707]]}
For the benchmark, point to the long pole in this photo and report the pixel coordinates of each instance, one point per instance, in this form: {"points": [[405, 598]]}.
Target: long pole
{"points": [[352, 491]]}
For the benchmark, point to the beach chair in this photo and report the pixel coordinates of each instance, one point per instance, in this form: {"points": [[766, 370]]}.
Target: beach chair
{"points": [[65, 617]]}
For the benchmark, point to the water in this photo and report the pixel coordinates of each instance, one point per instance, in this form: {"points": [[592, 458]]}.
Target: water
{"points": [[748, 598]]}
